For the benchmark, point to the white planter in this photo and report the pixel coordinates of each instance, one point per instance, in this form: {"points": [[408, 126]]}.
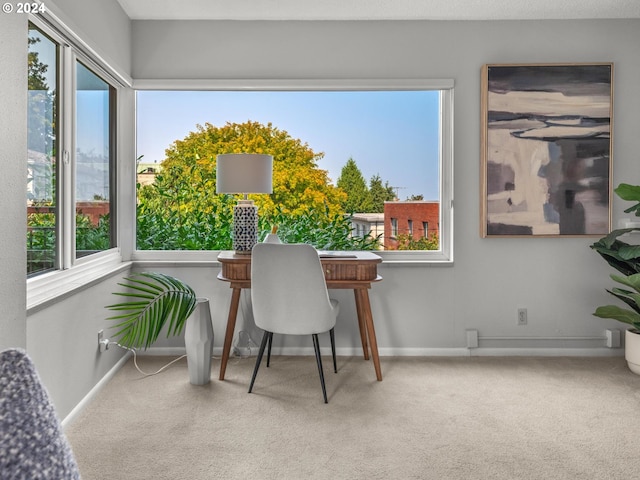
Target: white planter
{"points": [[198, 342], [632, 350]]}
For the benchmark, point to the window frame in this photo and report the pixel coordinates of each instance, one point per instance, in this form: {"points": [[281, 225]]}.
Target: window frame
{"points": [[446, 88], [69, 272]]}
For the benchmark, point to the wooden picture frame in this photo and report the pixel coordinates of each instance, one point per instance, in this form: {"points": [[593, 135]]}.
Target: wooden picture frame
{"points": [[546, 150]]}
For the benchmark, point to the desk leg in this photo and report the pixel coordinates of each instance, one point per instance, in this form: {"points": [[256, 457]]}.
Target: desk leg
{"points": [[362, 325], [371, 331], [231, 326]]}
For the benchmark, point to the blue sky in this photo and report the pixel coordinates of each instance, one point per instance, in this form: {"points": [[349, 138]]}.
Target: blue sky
{"points": [[390, 133]]}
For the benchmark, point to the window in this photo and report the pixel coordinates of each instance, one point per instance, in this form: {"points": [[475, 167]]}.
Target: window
{"points": [[71, 154], [410, 225], [42, 152], [394, 227], [398, 133], [95, 100], [425, 229]]}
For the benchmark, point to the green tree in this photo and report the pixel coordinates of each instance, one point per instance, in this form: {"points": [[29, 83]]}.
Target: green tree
{"points": [[353, 184], [180, 210], [407, 242], [41, 103], [379, 194], [188, 178]]}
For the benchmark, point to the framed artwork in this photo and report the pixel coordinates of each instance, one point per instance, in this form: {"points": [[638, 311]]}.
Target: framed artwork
{"points": [[546, 150]]}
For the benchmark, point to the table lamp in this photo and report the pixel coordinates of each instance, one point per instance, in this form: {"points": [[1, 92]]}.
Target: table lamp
{"points": [[244, 173]]}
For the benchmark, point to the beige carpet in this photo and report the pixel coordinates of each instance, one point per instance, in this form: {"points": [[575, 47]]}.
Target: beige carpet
{"points": [[430, 418]]}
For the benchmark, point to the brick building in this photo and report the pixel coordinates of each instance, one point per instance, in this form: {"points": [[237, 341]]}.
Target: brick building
{"points": [[419, 219]]}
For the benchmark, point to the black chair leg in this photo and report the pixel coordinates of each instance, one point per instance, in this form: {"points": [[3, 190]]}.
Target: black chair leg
{"points": [[316, 347], [269, 349], [263, 344], [332, 335]]}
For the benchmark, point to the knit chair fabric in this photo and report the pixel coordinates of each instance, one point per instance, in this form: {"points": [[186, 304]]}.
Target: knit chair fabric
{"points": [[32, 444]]}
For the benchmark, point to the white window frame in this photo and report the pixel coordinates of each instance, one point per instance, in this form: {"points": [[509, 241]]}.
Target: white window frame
{"points": [[445, 86], [70, 273]]}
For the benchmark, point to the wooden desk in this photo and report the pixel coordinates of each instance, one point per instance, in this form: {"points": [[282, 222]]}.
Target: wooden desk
{"points": [[355, 273]]}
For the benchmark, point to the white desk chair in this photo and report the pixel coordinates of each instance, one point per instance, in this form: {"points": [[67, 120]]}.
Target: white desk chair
{"points": [[289, 296]]}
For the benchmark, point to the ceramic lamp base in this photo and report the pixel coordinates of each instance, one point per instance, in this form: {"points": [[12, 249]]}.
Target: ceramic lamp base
{"points": [[245, 227]]}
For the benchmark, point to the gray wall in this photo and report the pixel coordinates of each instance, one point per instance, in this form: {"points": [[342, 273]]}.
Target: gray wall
{"points": [[425, 308], [102, 24], [418, 309], [13, 181]]}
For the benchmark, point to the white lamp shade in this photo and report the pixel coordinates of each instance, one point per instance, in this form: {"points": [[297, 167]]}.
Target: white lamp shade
{"points": [[244, 173]]}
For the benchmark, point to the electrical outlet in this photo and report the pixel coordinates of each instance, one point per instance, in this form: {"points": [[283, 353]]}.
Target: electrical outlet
{"points": [[522, 316], [103, 343]]}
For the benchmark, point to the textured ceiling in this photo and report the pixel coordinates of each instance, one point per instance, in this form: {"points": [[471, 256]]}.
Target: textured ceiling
{"points": [[380, 9]]}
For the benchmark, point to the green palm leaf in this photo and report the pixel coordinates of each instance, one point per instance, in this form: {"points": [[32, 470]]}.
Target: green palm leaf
{"points": [[154, 299]]}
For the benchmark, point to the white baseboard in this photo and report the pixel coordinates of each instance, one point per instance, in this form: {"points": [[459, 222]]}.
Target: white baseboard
{"points": [[420, 352], [546, 352], [94, 391]]}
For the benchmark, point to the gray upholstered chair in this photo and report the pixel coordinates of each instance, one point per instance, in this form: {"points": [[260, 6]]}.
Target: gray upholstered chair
{"points": [[289, 296], [32, 444]]}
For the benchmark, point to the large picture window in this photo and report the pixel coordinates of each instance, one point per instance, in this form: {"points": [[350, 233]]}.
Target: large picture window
{"points": [[342, 157]]}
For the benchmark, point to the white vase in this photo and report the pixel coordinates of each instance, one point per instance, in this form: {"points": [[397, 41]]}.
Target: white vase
{"points": [[632, 350], [198, 342], [272, 238]]}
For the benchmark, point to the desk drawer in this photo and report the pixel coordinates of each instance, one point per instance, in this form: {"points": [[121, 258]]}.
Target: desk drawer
{"points": [[236, 271], [340, 271]]}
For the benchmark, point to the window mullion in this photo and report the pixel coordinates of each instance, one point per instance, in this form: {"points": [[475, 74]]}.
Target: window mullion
{"points": [[67, 169]]}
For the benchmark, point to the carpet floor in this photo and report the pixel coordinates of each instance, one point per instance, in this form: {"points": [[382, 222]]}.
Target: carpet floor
{"points": [[430, 418]]}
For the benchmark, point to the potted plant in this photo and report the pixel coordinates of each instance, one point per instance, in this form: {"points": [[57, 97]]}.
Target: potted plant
{"points": [[625, 258], [153, 299]]}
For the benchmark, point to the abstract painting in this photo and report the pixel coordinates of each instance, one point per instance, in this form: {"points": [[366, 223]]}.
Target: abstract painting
{"points": [[546, 149]]}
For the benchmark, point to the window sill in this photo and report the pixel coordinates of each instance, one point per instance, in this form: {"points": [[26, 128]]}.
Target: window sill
{"points": [[168, 258], [51, 287]]}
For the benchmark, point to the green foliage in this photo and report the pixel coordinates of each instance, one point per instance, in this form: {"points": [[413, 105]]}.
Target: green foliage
{"points": [[35, 68], [620, 255], [407, 242], [41, 241], [352, 183], [322, 229], [630, 297], [175, 230], [625, 258], [93, 238], [361, 199], [41, 104], [187, 181], [213, 231], [630, 193], [41, 238], [379, 194], [152, 300]]}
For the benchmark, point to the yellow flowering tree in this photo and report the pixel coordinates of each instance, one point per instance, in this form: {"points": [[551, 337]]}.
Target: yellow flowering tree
{"points": [[187, 181], [180, 210]]}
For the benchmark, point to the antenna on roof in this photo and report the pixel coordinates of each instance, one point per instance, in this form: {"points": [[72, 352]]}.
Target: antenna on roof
{"points": [[396, 189]]}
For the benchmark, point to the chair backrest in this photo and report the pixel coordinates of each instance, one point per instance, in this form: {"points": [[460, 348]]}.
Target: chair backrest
{"points": [[32, 444], [288, 291]]}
